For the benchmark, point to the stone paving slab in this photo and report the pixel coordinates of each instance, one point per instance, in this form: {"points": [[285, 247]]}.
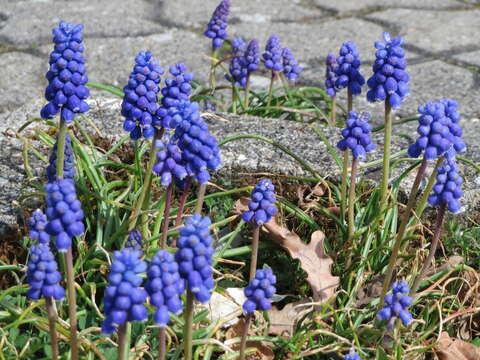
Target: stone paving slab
{"points": [[29, 23]]}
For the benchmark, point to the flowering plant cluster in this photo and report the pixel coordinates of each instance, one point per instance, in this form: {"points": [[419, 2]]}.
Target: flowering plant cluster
{"points": [[262, 206], [260, 291], [272, 56], [347, 69], [217, 27], [448, 188], [356, 136], [37, 224], [396, 305]]}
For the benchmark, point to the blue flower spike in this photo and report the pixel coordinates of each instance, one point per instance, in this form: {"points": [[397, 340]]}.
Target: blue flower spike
{"points": [[124, 298], [42, 274], [390, 80], [352, 355], [68, 163], [139, 105], [260, 291], [272, 57], [217, 26], [262, 206], [164, 286], [66, 91], [396, 305], [134, 240], [291, 69], [347, 69], [439, 131], [330, 75], [194, 257], [170, 163], [64, 212], [448, 188], [36, 225], [356, 136]]}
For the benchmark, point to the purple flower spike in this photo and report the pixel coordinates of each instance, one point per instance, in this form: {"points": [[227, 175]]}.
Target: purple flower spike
{"points": [[134, 240], [331, 76], [448, 188], [291, 69], [217, 27], [139, 104], [177, 88], [348, 69], [124, 298], [245, 60], [396, 305], [37, 224], [439, 130], [64, 212], [352, 355], [260, 291], [356, 136], [66, 91], [194, 257], [68, 163], [389, 81], [272, 56], [165, 286], [262, 206], [170, 163], [42, 274], [199, 148]]}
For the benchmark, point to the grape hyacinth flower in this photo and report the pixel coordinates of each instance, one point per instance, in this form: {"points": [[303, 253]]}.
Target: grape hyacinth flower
{"points": [[448, 188], [272, 57], [236, 68], [199, 148], [64, 212], [330, 75], [291, 69], [68, 163], [439, 130], [352, 355], [217, 27], [66, 91], [170, 163], [177, 89], [139, 105], [262, 206], [134, 240], [260, 291], [42, 274], [389, 81], [396, 305], [194, 257], [37, 224], [164, 287], [348, 69], [124, 298], [356, 136]]}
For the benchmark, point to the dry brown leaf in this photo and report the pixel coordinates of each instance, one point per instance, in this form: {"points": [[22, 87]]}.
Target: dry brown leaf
{"points": [[283, 322], [264, 351], [318, 190], [454, 349], [313, 259]]}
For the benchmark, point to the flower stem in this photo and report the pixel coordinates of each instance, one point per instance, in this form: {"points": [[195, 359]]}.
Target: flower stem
{"points": [[212, 79], [247, 92], [349, 101], [122, 342], [52, 318], [243, 343], [431, 182], [343, 189], [62, 132], [188, 329], [72, 304], [162, 350], [234, 98], [166, 213], [401, 230], [181, 206], [254, 256], [333, 114], [386, 156], [132, 221], [433, 247], [200, 198], [351, 200], [270, 88]]}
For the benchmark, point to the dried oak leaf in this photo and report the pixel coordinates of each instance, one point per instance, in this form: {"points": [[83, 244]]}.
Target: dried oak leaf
{"points": [[454, 349], [283, 322], [313, 259]]}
